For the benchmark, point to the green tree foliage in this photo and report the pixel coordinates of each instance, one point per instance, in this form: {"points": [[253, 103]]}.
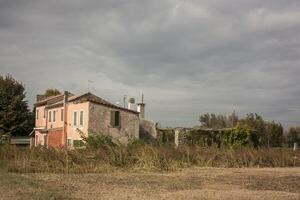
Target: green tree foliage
{"points": [[96, 141], [274, 134], [237, 137], [256, 123], [52, 92], [15, 117], [214, 121], [227, 137], [268, 134], [293, 136]]}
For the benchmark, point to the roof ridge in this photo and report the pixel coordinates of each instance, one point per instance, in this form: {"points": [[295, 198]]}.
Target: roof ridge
{"points": [[49, 98]]}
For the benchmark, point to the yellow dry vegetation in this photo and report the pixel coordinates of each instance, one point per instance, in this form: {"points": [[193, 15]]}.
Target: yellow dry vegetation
{"points": [[190, 183]]}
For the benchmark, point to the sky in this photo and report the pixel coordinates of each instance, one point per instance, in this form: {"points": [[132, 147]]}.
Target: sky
{"points": [[188, 57]]}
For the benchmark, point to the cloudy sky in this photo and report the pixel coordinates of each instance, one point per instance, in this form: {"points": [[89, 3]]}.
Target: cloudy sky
{"points": [[188, 57]]}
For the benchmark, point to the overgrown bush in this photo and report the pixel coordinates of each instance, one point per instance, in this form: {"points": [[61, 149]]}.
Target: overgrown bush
{"points": [[239, 136], [236, 137], [96, 141], [165, 136]]}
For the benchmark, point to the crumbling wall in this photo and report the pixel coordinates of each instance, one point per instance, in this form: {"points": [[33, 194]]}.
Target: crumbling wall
{"points": [[147, 130], [165, 135]]}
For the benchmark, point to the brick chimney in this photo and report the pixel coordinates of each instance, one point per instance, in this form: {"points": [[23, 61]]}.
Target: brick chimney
{"points": [[40, 97]]}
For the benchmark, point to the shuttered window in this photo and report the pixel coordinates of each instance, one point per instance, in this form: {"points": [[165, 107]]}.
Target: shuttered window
{"points": [[81, 118], [62, 115], [115, 119], [49, 117], [75, 118], [54, 114], [37, 113]]}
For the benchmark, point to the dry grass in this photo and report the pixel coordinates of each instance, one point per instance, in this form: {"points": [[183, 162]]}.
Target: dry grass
{"points": [[149, 158], [191, 183], [149, 172]]}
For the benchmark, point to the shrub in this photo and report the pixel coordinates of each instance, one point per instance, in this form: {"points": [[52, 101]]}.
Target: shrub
{"points": [[96, 141]]}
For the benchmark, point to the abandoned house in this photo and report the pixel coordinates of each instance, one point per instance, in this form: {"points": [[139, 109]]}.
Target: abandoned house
{"points": [[63, 120]]}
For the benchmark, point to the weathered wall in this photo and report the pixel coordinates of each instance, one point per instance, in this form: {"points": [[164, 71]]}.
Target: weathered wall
{"points": [[40, 121], [99, 122], [147, 129], [72, 132], [55, 137], [58, 123]]}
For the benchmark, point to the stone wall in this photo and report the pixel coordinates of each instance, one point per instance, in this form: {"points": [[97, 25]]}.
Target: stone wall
{"points": [[99, 123], [147, 130]]}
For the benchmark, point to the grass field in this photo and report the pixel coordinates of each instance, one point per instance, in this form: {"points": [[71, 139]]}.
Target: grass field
{"points": [[190, 183]]}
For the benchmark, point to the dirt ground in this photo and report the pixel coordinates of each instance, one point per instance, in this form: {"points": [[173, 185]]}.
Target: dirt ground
{"points": [[193, 183]]}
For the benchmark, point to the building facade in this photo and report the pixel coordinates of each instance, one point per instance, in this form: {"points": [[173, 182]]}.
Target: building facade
{"points": [[64, 120]]}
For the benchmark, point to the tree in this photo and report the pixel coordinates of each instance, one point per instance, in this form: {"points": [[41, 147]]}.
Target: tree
{"points": [[51, 92], [293, 136], [233, 119], [15, 117], [274, 134], [214, 121], [256, 123]]}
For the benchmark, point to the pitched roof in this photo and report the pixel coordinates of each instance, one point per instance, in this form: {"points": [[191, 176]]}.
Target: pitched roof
{"points": [[50, 100], [57, 101], [95, 99]]}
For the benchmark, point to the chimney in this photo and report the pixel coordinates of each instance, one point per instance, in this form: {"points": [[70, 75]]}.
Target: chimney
{"points": [[131, 103], [66, 96], [141, 108], [40, 97]]}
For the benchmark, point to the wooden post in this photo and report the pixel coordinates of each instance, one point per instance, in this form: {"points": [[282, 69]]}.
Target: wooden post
{"points": [[176, 138]]}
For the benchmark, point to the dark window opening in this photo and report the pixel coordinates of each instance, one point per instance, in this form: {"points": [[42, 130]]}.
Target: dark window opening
{"points": [[54, 113], [62, 115], [49, 118], [115, 119]]}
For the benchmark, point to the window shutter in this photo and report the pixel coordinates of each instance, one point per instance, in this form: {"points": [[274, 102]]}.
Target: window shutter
{"points": [[112, 118], [117, 118], [49, 116]]}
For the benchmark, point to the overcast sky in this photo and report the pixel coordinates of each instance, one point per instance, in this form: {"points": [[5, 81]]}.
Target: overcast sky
{"points": [[187, 57]]}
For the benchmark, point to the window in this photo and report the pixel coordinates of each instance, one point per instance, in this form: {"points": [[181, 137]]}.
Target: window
{"points": [[75, 118], [49, 118], [54, 112], [81, 118], [37, 113], [44, 113], [115, 118], [62, 115]]}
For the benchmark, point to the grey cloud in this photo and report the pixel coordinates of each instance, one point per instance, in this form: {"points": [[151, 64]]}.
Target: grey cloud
{"points": [[188, 57]]}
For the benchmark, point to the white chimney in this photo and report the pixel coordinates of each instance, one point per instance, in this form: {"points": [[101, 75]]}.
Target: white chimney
{"points": [[131, 104], [141, 108]]}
